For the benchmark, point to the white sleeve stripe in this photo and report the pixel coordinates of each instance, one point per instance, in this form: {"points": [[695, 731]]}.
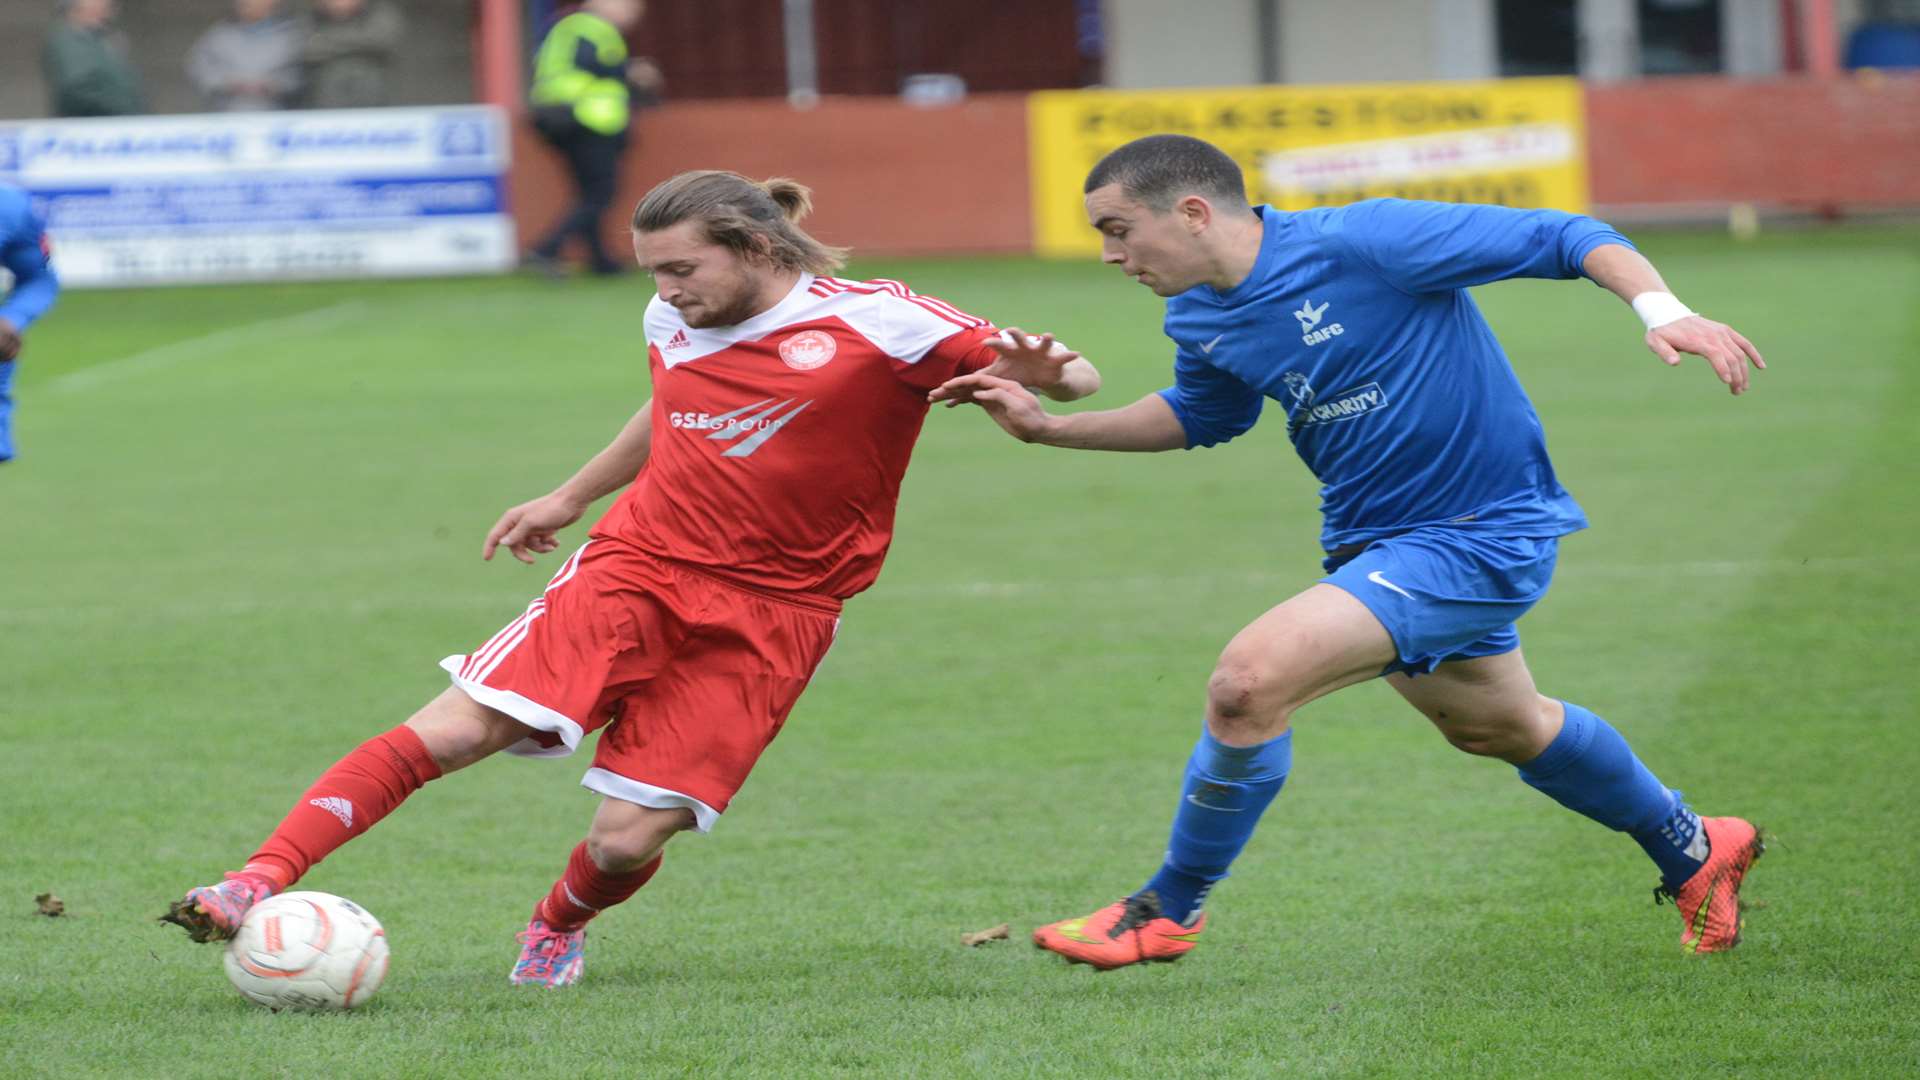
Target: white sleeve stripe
{"points": [[941, 305], [946, 310], [949, 309], [899, 288], [884, 294], [961, 323]]}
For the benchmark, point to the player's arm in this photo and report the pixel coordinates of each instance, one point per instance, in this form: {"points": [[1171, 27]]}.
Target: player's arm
{"points": [[1421, 247], [34, 289], [1146, 425], [1040, 364], [1205, 406], [1427, 247], [1078, 379], [531, 527], [1672, 328]]}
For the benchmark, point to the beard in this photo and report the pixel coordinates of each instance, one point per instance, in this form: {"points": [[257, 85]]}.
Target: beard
{"points": [[730, 310]]}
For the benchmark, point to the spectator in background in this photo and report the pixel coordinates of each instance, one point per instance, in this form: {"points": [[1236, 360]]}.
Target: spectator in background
{"points": [[248, 63], [348, 53], [584, 87], [86, 65]]}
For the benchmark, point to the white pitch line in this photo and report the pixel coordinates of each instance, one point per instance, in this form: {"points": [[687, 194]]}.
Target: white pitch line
{"points": [[163, 356]]}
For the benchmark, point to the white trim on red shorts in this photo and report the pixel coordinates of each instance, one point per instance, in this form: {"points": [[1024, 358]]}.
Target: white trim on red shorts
{"points": [[529, 712], [627, 789]]}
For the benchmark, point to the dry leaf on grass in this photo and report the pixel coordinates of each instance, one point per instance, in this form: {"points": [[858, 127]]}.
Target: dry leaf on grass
{"points": [[979, 937], [50, 904]]}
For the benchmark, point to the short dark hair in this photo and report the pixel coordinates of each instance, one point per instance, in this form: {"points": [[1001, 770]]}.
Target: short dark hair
{"points": [[1158, 169]]}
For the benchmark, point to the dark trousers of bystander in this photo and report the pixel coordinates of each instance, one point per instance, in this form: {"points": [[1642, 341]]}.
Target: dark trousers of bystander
{"points": [[594, 161]]}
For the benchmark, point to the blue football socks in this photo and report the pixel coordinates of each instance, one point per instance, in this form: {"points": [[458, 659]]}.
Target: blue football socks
{"points": [[6, 409], [1226, 789], [1589, 769]]}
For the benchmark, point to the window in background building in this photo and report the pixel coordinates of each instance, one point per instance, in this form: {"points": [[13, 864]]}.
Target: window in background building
{"points": [[715, 48], [927, 48], [876, 46], [1090, 41], [1680, 37], [1538, 37]]}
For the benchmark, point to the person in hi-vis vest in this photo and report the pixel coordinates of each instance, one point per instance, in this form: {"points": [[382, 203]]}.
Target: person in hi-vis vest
{"points": [[584, 90]]}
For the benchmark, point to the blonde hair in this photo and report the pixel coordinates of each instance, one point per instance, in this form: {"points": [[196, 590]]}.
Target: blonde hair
{"points": [[754, 219]]}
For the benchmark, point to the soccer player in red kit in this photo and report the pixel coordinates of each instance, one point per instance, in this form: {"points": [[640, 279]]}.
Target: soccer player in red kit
{"points": [[762, 479]]}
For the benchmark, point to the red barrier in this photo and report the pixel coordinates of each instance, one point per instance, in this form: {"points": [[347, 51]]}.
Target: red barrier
{"points": [[1804, 143], [887, 178]]}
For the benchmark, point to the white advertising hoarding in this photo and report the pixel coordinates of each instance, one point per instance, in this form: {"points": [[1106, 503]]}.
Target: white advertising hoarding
{"points": [[251, 196]]}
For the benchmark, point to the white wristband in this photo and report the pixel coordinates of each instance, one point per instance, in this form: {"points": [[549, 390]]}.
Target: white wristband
{"points": [[1659, 308]]}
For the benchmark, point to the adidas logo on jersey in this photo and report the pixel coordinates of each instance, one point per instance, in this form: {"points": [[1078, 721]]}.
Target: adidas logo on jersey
{"points": [[679, 340], [337, 806]]}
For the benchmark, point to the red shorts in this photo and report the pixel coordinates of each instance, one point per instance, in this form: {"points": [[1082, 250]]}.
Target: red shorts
{"points": [[690, 676]]}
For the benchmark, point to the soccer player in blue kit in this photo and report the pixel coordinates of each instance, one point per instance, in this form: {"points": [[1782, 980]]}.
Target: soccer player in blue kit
{"points": [[24, 253], [1442, 512]]}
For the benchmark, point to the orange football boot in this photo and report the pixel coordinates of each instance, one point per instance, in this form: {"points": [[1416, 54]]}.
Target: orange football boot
{"points": [[1709, 902], [1129, 931]]}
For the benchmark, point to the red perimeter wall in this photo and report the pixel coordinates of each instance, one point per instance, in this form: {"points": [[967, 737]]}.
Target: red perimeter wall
{"points": [[1799, 143], [886, 178], [890, 179]]}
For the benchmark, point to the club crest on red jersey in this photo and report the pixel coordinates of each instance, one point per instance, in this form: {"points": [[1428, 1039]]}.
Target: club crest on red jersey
{"points": [[807, 350]]}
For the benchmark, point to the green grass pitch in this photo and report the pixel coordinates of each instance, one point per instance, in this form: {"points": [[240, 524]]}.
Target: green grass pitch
{"points": [[245, 525]]}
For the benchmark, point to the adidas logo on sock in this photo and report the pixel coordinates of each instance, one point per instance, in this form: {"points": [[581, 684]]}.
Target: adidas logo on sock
{"points": [[575, 900], [337, 806]]}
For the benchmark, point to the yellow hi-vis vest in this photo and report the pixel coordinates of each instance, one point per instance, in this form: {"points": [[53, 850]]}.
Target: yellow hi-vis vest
{"points": [[599, 102]]}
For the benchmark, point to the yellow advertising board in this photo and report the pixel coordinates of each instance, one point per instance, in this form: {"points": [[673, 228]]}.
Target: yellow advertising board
{"points": [[1517, 142]]}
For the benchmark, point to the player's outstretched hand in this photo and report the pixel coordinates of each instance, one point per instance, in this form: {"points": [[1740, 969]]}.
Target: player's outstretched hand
{"points": [[9, 340], [1011, 405], [1719, 344], [1030, 361], [529, 529]]}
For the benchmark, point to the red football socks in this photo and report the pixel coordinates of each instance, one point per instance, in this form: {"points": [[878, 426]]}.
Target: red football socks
{"points": [[586, 890], [360, 789]]}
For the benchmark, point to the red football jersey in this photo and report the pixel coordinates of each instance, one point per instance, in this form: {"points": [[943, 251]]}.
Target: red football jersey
{"points": [[779, 443]]}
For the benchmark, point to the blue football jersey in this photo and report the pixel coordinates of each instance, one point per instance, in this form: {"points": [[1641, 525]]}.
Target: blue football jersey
{"points": [[1357, 322], [23, 252]]}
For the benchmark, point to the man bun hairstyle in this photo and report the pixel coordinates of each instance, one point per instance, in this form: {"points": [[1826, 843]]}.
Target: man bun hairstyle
{"points": [[1158, 169], [791, 196], [753, 219]]}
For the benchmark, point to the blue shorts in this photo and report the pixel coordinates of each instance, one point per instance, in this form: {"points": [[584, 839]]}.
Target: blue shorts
{"points": [[1446, 594]]}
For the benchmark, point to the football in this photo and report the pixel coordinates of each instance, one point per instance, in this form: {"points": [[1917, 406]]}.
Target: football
{"points": [[308, 950]]}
